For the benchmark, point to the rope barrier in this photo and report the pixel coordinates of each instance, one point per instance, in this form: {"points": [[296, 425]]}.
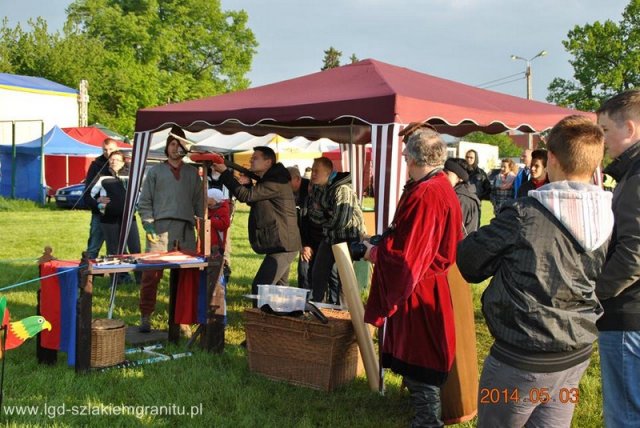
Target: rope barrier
{"points": [[20, 284]]}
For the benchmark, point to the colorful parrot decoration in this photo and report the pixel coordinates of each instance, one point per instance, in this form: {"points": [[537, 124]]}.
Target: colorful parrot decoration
{"points": [[18, 331]]}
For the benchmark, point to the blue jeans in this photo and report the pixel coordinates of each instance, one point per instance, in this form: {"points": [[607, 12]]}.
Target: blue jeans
{"points": [[620, 371], [96, 237]]}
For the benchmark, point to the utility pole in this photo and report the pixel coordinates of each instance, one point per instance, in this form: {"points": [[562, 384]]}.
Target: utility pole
{"points": [[528, 73]]}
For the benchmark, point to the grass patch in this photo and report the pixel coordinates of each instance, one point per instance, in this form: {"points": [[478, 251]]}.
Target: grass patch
{"points": [[221, 385]]}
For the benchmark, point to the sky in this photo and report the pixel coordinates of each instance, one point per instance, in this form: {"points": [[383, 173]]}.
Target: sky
{"points": [[469, 41]]}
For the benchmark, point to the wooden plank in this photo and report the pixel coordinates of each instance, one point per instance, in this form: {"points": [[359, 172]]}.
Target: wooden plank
{"points": [[83, 322], [459, 394], [356, 309], [174, 329]]}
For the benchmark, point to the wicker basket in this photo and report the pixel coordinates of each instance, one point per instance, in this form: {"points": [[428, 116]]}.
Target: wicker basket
{"points": [[107, 342], [302, 351]]}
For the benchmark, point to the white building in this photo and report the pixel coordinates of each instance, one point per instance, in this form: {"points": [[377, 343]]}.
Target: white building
{"points": [[31, 102]]}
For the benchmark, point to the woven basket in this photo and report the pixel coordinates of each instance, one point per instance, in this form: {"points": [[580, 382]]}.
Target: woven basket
{"points": [[107, 342], [302, 351]]}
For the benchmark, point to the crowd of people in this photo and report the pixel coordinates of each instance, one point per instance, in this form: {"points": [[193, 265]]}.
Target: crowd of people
{"points": [[563, 256]]}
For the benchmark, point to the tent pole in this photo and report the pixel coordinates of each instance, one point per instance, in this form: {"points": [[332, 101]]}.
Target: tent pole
{"points": [[13, 159], [42, 180]]}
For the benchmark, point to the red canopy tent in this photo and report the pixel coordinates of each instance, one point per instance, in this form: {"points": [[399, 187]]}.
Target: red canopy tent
{"points": [[368, 101], [91, 135]]}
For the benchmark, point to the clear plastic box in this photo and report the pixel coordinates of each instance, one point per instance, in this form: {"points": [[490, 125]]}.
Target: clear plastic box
{"points": [[281, 298]]}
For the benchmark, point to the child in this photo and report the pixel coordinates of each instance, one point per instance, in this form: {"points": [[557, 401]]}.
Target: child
{"points": [[219, 215], [220, 221], [544, 252]]}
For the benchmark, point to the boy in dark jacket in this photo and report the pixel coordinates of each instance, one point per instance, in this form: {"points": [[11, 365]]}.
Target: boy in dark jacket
{"points": [[456, 170], [544, 252], [618, 286]]}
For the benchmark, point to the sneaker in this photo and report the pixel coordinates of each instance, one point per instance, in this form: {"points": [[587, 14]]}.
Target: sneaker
{"points": [[145, 325]]}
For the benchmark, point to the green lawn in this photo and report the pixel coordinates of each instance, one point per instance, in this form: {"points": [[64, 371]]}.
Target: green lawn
{"points": [[219, 385]]}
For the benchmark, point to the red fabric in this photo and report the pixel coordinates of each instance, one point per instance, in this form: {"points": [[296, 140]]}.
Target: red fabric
{"points": [[539, 183], [220, 222], [61, 171], [91, 135], [50, 302], [409, 284], [186, 311], [369, 91]]}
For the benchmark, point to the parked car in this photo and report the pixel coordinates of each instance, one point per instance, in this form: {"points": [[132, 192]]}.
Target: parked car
{"points": [[71, 196]]}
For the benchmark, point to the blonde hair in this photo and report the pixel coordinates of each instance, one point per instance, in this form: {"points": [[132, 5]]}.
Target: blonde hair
{"points": [[578, 145]]}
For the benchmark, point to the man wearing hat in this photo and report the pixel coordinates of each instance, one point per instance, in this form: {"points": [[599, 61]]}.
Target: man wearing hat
{"points": [[457, 173], [171, 197]]}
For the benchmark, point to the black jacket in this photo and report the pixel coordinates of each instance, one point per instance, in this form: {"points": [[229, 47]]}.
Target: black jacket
{"points": [[541, 305], [480, 182], [116, 189], [97, 169], [523, 190], [618, 286], [273, 223], [311, 234], [470, 205]]}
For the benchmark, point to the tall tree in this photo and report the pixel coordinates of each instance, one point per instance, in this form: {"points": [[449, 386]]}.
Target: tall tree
{"points": [[331, 58], [353, 58], [606, 60], [506, 147], [136, 53]]}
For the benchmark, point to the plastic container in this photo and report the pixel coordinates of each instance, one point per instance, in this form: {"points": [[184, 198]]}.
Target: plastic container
{"points": [[281, 298]]}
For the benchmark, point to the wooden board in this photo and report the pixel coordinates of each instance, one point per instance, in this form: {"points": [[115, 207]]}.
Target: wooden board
{"points": [[356, 309], [459, 394]]}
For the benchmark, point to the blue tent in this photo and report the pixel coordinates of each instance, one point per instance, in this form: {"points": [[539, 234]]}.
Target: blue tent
{"points": [[29, 164], [37, 84]]}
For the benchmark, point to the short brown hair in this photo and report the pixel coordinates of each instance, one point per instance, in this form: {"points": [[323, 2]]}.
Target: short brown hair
{"points": [[325, 162], [624, 106], [578, 144]]}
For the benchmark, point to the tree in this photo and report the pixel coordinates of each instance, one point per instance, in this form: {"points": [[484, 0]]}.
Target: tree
{"points": [[353, 58], [331, 58], [506, 147], [136, 53], [606, 61]]}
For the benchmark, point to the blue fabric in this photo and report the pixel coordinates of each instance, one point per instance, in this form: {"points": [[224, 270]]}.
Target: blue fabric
{"points": [[201, 315], [620, 371], [28, 175], [524, 174], [30, 82], [29, 162], [68, 299]]}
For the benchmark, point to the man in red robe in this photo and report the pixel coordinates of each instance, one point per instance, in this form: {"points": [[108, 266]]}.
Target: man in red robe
{"points": [[409, 286]]}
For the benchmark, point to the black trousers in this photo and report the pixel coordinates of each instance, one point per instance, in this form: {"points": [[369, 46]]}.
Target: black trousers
{"points": [[273, 270]]}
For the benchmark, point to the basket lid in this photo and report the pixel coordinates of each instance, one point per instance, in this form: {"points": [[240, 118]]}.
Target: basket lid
{"points": [[106, 324]]}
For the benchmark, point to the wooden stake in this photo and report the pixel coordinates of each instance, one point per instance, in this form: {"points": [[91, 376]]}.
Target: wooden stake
{"points": [[351, 293]]}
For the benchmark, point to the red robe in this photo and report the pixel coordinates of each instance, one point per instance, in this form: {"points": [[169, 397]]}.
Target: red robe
{"points": [[410, 286]]}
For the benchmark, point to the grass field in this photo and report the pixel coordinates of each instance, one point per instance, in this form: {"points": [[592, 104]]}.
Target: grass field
{"points": [[219, 388]]}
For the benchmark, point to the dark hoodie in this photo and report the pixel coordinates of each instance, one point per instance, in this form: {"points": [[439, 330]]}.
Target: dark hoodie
{"points": [[470, 205], [273, 223]]}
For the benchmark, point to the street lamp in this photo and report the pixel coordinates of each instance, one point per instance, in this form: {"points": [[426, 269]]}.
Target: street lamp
{"points": [[527, 72]]}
